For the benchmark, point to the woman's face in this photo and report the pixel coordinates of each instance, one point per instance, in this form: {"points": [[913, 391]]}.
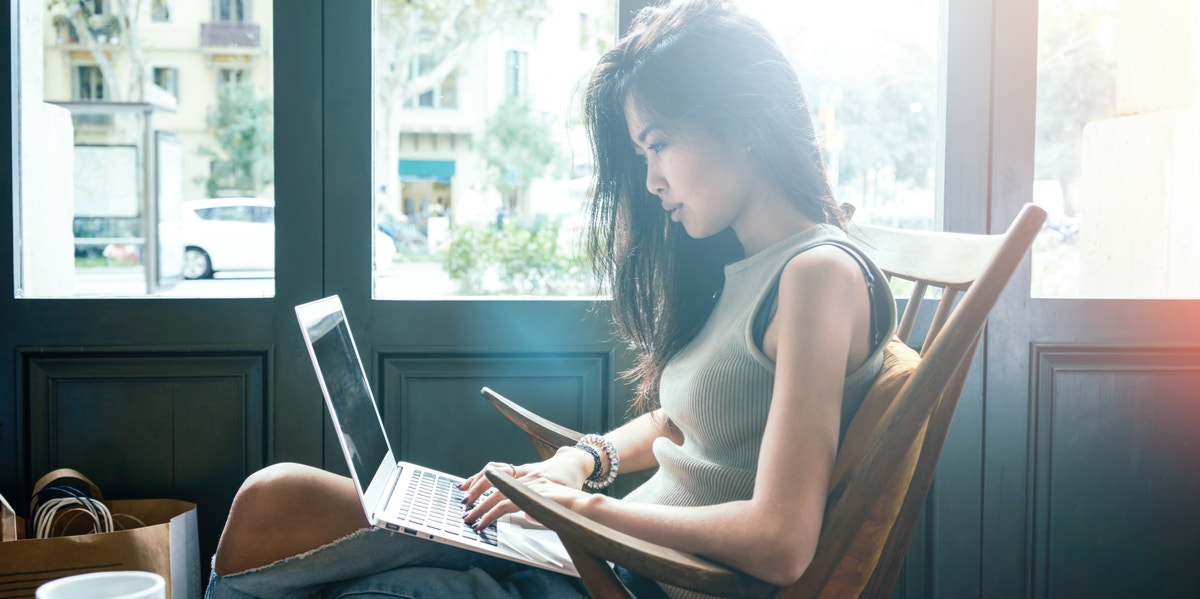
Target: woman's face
{"points": [[703, 183]]}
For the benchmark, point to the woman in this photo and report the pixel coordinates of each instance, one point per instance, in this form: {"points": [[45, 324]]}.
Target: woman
{"points": [[758, 325]]}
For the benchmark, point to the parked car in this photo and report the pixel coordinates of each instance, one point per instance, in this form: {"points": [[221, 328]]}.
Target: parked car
{"points": [[228, 234], [238, 234]]}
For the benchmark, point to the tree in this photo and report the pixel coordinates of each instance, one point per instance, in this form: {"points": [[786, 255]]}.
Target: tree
{"points": [[107, 29], [241, 124], [889, 130], [517, 146], [886, 117], [419, 43]]}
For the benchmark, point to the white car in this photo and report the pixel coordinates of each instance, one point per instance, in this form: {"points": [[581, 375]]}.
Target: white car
{"points": [[228, 234], [238, 234]]}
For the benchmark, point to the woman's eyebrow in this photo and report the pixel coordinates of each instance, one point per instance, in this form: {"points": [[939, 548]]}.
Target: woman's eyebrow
{"points": [[647, 131]]}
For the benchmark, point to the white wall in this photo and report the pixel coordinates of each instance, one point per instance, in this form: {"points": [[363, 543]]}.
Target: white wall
{"points": [[46, 180]]}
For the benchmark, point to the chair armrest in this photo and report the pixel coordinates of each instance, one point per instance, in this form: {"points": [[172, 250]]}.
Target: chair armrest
{"points": [[597, 541], [545, 435]]}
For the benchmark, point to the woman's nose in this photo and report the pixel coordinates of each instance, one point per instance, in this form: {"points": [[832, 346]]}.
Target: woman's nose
{"points": [[654, 180]]}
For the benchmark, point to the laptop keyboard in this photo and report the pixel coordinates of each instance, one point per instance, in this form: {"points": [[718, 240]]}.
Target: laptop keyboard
{"points": [[433, 500]]}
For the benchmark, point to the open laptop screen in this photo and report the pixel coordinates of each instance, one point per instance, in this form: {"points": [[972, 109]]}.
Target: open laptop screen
{"points": [[355, 411]]}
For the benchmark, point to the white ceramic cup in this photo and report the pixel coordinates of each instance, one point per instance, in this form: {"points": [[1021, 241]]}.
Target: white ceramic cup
{"points": [[106, 585]]}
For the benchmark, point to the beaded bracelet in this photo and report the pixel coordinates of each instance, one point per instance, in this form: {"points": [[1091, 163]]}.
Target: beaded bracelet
{"points": [[595, 475], [614, 460]]}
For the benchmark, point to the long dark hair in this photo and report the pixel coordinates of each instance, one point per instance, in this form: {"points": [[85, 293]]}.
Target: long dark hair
{"points": [[691, 65]]}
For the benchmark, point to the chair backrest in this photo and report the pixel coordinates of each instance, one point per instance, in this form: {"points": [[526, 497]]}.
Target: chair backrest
{"points": [[890, 451], [545, 435]]}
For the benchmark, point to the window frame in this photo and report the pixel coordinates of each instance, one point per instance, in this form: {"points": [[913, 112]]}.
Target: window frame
{"points": [[220, 6]]}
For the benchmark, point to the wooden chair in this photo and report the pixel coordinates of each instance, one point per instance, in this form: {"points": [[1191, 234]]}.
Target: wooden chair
{"points": [[889, 453]]}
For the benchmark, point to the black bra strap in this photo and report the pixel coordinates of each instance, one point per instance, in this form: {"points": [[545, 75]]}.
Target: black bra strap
{"points": [[764, 316]]}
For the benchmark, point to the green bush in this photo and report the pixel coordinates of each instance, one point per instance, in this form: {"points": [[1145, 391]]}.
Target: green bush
{"points": [[534, 258]]}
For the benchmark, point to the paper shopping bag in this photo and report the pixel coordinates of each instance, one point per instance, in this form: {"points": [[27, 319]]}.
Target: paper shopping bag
{"points": [[159, 535]]}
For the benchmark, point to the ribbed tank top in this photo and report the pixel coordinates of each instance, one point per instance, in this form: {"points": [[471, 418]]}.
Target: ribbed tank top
{"points": [[717, 389]]}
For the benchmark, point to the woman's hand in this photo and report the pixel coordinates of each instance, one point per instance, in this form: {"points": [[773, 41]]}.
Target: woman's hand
{"points": [[560, 478], [493, 504]]}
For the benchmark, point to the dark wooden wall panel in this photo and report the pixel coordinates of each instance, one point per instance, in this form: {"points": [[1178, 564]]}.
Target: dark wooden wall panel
{"points": [[434, 414], [145, 424], [1116, 473]]}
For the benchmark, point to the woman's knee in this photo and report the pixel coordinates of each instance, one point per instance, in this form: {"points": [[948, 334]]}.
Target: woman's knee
{"points": [[271, 484], [285, 509], [296, 490], [284, 476], [266, 492]]}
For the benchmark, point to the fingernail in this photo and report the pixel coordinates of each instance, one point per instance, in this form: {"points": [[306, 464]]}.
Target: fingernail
{"points": [[464, 501]]}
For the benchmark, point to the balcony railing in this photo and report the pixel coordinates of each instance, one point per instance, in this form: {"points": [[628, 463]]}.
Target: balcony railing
{"points": [[230, 34]]}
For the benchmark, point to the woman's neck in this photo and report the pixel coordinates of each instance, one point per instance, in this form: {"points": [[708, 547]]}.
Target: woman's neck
{"points": [[768, 221]]}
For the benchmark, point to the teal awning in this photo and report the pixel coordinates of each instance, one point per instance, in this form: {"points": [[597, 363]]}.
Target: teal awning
{"points": [[427, 170]]}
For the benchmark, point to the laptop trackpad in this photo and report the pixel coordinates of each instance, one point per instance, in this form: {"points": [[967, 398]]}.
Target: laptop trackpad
{"points": [[532, 540]]}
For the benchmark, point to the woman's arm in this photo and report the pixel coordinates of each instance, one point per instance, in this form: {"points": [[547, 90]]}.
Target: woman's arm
{"points": [[821, 327], [634, 442], [570, 466]]}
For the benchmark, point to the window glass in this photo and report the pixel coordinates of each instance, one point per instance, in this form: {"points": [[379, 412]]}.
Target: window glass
{"points": [[160, 11], [1118, 141], [126, 118], [231, 10], [481, 164], [516, 71], [870, 70], [167, 78]]}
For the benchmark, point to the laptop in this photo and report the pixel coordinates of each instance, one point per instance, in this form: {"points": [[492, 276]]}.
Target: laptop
{"points": [[400, 496]]}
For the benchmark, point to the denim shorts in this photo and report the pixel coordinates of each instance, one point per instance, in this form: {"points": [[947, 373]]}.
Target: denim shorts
{"points": [[378, 563]]}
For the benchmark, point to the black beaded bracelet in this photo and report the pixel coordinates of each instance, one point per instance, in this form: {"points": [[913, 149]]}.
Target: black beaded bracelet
{"points": [[595, 475]]}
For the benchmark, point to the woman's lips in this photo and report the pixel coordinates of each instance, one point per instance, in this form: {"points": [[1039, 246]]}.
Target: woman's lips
{"points": [[676, 212]]}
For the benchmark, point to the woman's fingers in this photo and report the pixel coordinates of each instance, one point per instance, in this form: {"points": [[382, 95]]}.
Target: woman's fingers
{"points": [[492, 504], [475, 485], [487, 504], [490, 508]]}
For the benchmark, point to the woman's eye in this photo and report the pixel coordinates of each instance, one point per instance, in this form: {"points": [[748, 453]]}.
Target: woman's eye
{"points": [[656, 148]]}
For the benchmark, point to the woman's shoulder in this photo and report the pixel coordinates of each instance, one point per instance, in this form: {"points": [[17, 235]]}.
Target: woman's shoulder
{"points": [[836, 265]]}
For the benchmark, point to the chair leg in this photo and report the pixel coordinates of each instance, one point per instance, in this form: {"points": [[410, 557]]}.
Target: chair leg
{"points": [[598, 577]]}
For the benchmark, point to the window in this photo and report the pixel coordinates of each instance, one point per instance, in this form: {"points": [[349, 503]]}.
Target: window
{"points": [[870, 71], [231, 76], [168, 79], [115, 227], [88, 86], [160, 11], [89, 83], [516, 71], [241, 214], [483, 199], [441, 94], [1116, 146], [232, 10]]}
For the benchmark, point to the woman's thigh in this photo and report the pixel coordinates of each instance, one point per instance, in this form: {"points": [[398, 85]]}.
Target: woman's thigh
{"points": [[377, 562], [477, 583]]}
